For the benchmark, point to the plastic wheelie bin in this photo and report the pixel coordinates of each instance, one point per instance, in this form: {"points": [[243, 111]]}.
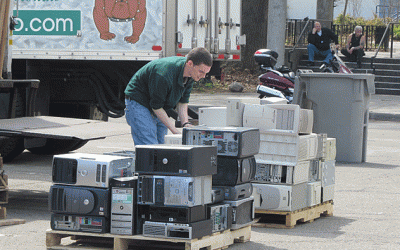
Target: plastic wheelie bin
{"points": [[340, 103]]}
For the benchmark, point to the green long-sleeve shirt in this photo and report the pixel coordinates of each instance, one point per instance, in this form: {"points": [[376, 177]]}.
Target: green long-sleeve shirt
{"points": [[160, 84]]}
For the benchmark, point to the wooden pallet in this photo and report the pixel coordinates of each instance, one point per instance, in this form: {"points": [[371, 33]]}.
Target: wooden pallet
{"points": [[3, 181], [280, 219], [220, 240], [3, 196], [3, 213], [3, 188], [8, 222]]}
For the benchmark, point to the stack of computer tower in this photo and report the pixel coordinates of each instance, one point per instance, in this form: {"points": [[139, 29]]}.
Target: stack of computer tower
{"points": [[80, 197], [288, 167], [323, 167], [235, 170], [174, 190]]}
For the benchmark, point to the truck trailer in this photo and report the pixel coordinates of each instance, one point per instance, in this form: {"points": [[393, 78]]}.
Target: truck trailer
{"points": [[67, 62]]}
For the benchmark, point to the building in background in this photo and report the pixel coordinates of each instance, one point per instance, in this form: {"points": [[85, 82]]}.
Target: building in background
{"points": [[301, 9], [308, 8], [388, 8]]}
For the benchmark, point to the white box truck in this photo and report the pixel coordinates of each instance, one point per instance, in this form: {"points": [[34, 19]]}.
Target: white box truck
{"points": [[85, 52]]}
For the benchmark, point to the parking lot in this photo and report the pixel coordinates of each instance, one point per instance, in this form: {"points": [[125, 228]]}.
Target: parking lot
{"points": [[366, 204]]}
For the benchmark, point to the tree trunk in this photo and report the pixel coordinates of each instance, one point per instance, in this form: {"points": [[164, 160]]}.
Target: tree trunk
{"points": [[277, 13], [254, 26], [325, 12]]}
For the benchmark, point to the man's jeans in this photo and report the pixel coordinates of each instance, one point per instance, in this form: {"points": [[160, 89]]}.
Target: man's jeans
{"points": [[145, 127], [312, 50]]}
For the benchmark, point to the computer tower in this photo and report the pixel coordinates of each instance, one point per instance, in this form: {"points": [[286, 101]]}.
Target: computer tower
{"points": [[287, 149], [314, 194], [173, 139], [123, 205], [143, 216], [234, 171], [236, 142], [212, 116], [125, 153], [235, 107], [315, 170], [217, 194], [80, 223], [330, 149], [238, 192], [242, 212], [326, 147], [178, 230], [90, 169], [221, 217], [76, 200], [328, 173], [288, 118], [179, 160], [328, 192], [177, 214], [174, 190], [282, 174], [279, 197]]}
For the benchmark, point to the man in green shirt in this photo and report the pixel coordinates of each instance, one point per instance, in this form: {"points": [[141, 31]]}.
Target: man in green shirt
{"points": [[160, 86]]}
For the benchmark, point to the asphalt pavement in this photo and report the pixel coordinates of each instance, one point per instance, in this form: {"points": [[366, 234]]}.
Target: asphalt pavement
{"points": [[366, 204]]}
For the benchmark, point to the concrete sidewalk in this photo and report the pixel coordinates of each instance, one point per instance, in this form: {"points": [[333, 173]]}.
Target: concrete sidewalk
{"points": [[384, 107], [385, 54]]}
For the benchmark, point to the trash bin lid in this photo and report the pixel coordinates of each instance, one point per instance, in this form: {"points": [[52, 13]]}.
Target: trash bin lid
{"points": [[369, 78]]}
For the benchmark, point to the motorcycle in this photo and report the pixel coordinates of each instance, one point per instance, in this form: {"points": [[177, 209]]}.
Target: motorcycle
{"points": [[336, 65], [274, 81]]}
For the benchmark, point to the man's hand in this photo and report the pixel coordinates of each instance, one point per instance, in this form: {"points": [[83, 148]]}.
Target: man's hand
{"points": [[314, 30], [162, 115]]}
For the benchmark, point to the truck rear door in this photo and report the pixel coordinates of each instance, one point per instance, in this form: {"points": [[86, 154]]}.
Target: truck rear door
{"points": [[213, 24]]}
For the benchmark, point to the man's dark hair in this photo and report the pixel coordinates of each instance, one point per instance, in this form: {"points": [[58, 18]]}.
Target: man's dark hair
{"points": [[199, 56]]}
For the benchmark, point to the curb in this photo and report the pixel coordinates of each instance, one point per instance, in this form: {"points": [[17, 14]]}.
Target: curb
{"points": [[384, 116]]}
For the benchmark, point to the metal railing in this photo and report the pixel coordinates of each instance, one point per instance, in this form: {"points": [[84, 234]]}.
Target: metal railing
{"points": [[376, 37], [389, 26], [373, 34], [301, 37]]}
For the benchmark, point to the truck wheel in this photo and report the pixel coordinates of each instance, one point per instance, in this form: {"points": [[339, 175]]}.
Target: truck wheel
{"points": [[10, 147], [57, 146]]}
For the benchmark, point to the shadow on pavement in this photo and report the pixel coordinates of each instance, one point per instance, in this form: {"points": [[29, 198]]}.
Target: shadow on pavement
{"points": [[324, 227], [367, 165]]}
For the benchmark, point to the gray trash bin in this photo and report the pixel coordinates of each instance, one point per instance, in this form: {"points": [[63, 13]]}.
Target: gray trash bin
{"points": [[341, 109]]}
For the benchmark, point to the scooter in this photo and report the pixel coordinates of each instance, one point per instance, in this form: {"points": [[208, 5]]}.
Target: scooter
{"points": [[274, 81]]}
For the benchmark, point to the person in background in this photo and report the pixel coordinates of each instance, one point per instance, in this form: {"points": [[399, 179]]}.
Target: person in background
{"points": [[159, 87], [319, 41], [354, 50]]}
